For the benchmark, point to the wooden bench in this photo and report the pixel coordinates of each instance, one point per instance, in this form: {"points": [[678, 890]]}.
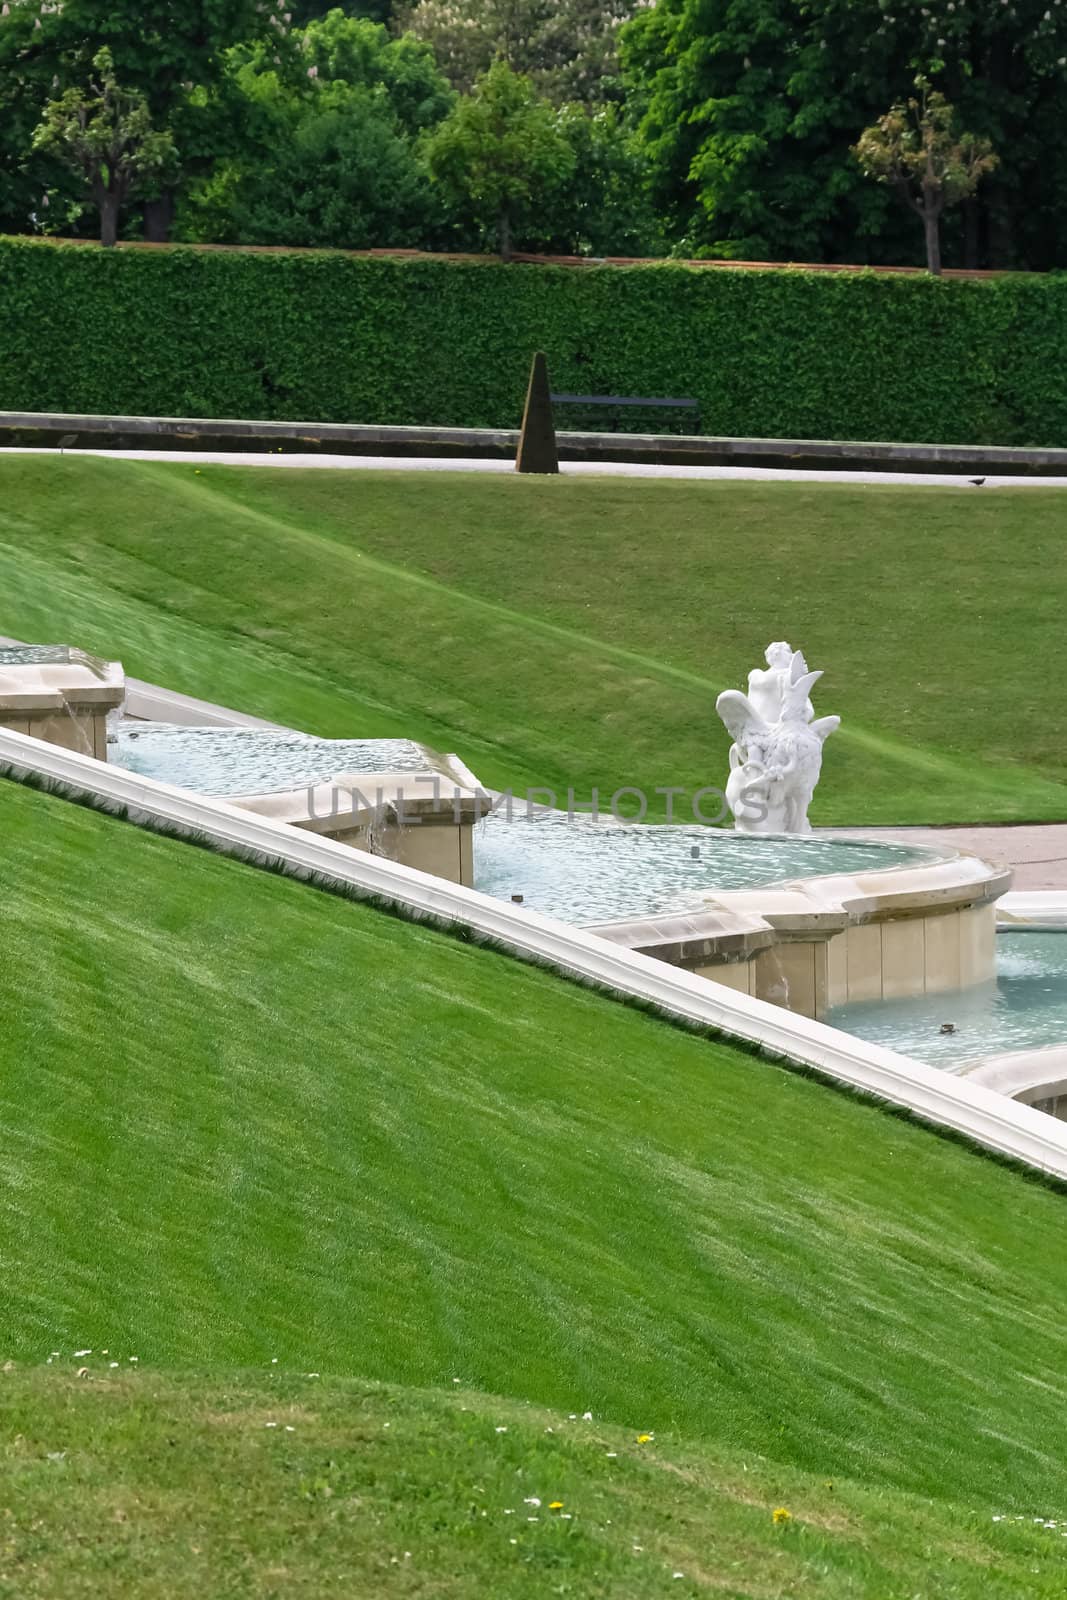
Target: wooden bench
{"points": [[618, 401]]}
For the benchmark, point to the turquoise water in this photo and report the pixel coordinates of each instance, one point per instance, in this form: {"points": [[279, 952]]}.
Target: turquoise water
{"points": [[572, 868], [591, 872], [1023, 1008], [229, 761]]}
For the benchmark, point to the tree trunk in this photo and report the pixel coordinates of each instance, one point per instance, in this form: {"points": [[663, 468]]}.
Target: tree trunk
{"points": [[108, 203], [999, 220], [932, 228], [505, 234], [971, 223], [158, 217]]}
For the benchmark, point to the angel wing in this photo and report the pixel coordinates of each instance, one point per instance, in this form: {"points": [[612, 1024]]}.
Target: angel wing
{"points": [[823, 727], [796, 697], [743, 721]]}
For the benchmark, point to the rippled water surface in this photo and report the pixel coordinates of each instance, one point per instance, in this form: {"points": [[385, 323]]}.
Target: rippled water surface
{"points": [[227, 761], [1024, 1008], [572, 868], [37, 655], [585, 871]]}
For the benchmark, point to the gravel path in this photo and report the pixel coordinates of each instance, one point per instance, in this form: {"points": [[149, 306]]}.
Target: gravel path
{"points": [[570, 469]]}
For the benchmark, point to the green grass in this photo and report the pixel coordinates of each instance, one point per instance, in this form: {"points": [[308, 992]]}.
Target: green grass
{"points": [[242, 1121], [272, 1484], [572, 631]]}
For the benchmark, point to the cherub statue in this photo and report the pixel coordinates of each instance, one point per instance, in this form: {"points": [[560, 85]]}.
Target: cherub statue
{"points": [[766, 690], [776, 756]]}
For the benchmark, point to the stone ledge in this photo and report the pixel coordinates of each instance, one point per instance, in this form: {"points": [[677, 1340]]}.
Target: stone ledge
{"points": [[35, 430]]}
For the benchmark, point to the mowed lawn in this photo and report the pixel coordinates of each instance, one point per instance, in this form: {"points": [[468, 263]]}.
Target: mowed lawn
{"points": [[143, 1485], [245, 1123], [573, 632]]}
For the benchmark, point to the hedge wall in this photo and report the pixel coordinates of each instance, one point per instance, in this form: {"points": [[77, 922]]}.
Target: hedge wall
{"points": [[329, 337]]}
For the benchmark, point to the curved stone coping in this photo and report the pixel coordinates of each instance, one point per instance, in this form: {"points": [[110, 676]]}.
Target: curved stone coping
{"points": [[970, 1109], [149, 702], [750, 919], [1034, 1074], [1033, 908]]}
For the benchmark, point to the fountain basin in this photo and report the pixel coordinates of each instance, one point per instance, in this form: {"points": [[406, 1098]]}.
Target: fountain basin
{"points": [[391, 797], [415, 818], [918, 929], [59, 694], [1008, 1033], [806, 921], [251, 761]]}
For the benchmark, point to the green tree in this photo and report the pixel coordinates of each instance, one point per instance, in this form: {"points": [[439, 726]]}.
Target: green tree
{"points": [[917, 150], [746, 120], [104, 133], [172, 55], [501, 153], [569, 48], [336, 172], [603, 208], [748, 109], [328, 154], [363, 54], [305, 11]]}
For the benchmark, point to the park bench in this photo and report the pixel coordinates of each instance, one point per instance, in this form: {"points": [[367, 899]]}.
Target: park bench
{"points": [[618, 401]]}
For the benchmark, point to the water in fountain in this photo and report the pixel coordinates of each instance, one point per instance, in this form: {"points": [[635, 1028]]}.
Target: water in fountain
{"points": [[232, 761], [1023, 1008], [591, 872]]}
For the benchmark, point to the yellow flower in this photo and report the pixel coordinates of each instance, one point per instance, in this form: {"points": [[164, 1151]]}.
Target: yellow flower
{"points": [[780, 1515], [555, 1505], [643, 1438]]}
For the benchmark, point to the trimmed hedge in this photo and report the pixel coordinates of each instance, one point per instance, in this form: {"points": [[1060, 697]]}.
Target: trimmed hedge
{"points": [[334, 338]]}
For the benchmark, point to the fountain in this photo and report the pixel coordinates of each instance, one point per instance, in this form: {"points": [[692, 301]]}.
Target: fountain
{"points": [[767, 908], [60, 694]]}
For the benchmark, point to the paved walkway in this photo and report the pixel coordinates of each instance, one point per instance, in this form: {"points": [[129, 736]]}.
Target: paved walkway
{"points": [[1036, 852], [569, 469]]}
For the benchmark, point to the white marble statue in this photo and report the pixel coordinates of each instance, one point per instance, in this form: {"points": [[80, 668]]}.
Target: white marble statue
{"points": [[766, 690], [776, 755]]}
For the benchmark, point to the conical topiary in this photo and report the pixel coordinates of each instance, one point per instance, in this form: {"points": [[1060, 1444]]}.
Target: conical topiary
{"points": [[537, 442]]}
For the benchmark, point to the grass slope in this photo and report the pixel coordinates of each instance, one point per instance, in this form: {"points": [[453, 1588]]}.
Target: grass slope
{"points": [[149, 1486], [572, 631], [243, 1120]]}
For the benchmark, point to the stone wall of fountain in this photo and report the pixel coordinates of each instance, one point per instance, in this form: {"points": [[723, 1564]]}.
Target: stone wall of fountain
{"points": [[412, 818], [61, 695], [821, 942]]}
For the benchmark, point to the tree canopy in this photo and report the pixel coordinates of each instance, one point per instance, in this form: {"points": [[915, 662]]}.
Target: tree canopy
{"points": [[501, 152], [568, 48], [104, 133], [748, 110], [329, 156], [726, 128], [917, 149]]}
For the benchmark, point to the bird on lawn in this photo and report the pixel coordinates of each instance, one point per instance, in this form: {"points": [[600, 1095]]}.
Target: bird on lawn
{"points": [[978, 482]]}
